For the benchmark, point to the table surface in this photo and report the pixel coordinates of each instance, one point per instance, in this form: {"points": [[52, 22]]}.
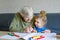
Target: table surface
{"points": [[5, 32]]}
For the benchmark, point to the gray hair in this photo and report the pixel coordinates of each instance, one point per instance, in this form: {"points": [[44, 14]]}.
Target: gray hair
{"points": [[26, 12]]}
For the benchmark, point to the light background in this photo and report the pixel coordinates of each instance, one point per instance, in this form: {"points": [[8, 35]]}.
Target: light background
{"points": [[12, 6]]}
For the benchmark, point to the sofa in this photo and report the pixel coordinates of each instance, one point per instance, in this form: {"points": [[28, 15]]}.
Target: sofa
{"points": [[53, 21], [5, 20]]}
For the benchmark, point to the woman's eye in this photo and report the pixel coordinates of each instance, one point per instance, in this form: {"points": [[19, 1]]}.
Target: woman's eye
{"points": [[37, 22]]}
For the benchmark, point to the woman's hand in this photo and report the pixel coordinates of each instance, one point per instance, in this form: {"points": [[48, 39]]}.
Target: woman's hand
{"points": [[28, 29], [33, 31]]}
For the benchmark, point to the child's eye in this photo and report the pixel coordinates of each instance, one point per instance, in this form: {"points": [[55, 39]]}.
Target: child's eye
{"points": [[36, 21]]}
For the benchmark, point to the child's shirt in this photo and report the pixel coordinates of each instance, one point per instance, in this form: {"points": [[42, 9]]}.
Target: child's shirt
{"points": [[40, 29]]}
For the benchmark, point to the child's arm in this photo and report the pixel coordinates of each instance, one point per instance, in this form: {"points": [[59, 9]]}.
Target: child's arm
{"points": [[47, 31]]}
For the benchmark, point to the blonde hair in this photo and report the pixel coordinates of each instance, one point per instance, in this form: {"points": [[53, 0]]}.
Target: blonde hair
{"points": [[26, 11], [42, 15]]}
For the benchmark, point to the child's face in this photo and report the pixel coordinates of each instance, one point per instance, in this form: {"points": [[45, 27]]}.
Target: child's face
{"points": [[39, 23]]}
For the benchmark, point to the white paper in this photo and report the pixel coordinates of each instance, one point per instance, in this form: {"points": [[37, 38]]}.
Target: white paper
{"points": [[8, 37], [48, 36]]}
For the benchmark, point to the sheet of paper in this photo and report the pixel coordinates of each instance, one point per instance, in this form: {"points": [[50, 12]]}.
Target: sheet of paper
{"points": [[49, 36], [8, 37]]}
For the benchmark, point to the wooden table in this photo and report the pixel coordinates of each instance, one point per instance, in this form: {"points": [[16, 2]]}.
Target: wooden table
{"points": [[5, 32], [58, 37]]}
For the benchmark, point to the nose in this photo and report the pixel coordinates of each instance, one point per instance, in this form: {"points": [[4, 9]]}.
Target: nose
{"points": [[28, 19]]}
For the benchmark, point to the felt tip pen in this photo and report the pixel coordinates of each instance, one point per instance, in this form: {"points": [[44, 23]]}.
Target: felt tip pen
{"points": [[10, 34], [15, 34]]}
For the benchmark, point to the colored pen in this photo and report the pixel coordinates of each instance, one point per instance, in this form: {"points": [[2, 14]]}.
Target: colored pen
{"points": [[15, 34], [10, 34]]}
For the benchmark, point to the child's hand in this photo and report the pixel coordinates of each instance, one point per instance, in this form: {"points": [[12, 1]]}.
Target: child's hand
{"points": [[47, 31]]}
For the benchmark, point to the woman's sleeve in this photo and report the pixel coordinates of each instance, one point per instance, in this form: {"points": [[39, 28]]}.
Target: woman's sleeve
{"points": [[13, 24]]}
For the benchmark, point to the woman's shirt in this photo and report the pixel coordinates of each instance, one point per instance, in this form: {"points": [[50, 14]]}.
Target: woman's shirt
{"points": [[18, 24]]}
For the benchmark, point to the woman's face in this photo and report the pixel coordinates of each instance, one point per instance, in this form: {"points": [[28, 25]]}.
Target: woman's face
{"points": [[39, 23], [26, 19]]}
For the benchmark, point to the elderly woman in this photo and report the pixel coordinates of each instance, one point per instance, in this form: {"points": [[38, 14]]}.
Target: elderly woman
{"points": [[21, 20]]}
